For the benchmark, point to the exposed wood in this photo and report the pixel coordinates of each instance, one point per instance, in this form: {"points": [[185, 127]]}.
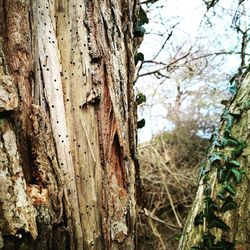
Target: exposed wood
{"points": [[67, 72]]}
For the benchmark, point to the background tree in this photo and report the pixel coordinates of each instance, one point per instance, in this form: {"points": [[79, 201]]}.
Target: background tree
{"points": [[67, 133], [219, 217], [184, 79]]}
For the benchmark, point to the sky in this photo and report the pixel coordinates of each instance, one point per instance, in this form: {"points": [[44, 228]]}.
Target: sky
{"points": [[189, 15]]}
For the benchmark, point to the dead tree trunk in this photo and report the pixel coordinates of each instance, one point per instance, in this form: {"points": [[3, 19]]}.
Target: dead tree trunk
{"points": [[67, 132], [220, 216]]}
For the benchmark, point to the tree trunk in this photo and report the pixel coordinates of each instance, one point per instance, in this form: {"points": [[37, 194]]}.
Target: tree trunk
{"points": [[67, 135], [220, 216]]}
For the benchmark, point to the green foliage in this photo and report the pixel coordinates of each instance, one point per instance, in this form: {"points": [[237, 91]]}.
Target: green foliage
{"points": [[139, 31], [142, 18], [141, 123], [214, 158], [238, 150], [228, 204], [208, 242], [229, 123], [232, 88], [246, 105], [229, 173], [139, 57], [217, 223], [198, 220], [140, 98]]}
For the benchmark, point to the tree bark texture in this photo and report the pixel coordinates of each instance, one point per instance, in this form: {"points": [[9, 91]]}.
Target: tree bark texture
{"points": [[67, 132], [238, 219]]}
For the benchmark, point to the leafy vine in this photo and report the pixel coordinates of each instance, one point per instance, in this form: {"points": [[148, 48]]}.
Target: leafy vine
{"points": [[229, 173]]}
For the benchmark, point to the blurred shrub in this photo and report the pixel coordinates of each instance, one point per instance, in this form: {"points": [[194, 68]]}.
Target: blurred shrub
{"points": [[169, 167]]}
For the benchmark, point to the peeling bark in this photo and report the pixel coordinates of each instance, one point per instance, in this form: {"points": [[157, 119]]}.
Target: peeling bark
{"points": [[66, 97]]}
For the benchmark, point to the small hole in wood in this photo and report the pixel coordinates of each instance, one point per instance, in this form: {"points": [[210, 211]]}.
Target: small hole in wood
{"points": [[52, 106], [57, 122], [47, 69]]}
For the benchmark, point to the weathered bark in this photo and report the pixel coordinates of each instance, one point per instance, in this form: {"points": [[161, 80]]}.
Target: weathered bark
{"points": [[238, 219], [67, 133]]}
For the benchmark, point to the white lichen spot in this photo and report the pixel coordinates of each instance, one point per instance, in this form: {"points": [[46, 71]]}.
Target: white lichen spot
{"points": [[119, 231]]}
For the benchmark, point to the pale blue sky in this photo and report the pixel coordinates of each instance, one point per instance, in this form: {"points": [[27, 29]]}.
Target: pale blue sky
{"points": [[190, 15]]}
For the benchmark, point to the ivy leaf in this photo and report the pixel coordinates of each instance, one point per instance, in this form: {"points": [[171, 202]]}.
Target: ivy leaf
{"points": [[235, 115], [139, 57], [224, 245], [208, 239], [222, 174], [214, 158], [246, 105], [232, 142], [221, 194], [228, 204], [198, 220], [238, 150], [139, 31], [237, 175], [142, 18], [210, 207], [229, 188], [215, 138], [234, 163], [141, 123], [140, 98], [207, 189], [232, 88], [218, 223]]}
